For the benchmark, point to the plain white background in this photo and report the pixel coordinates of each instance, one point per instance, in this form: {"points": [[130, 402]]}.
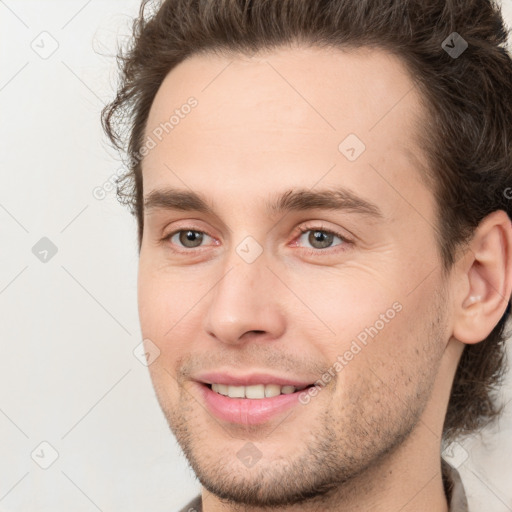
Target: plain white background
{"points": [[74, 398]]}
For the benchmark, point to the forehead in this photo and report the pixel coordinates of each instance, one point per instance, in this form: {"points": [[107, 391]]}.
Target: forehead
{"points": [[280, 116]]}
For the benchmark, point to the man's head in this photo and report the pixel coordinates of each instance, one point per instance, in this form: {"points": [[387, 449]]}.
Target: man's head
{"points": [[353, 230]]}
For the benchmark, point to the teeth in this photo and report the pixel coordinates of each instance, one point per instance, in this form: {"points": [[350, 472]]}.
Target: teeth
{"points": [[256, 391], [235, 391]]}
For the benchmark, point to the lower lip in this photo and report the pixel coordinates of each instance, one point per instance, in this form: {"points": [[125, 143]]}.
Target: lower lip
{"points": [[247, 411]]}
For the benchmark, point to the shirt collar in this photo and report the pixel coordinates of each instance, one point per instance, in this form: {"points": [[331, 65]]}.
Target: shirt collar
{"points": [[454, 489]]}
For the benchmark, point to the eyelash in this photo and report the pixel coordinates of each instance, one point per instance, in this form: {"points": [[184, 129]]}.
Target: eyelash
{"points": [[302, 230], [337, 248]]}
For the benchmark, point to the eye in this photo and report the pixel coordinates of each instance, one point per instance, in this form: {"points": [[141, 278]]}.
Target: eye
{"points": [[320, 238], [186, 238]]}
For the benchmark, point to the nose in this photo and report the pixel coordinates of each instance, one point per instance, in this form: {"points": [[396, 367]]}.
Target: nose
{"points": [[245, 303]]}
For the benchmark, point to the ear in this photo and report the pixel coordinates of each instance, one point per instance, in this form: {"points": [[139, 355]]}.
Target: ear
{"points": [[484, 279]]}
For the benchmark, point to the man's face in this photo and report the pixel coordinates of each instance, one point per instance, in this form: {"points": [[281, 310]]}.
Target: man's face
{"points": [[356, 300]]}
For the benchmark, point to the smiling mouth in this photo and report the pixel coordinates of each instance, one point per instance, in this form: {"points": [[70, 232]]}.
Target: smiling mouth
{"points": [[254, 404]]}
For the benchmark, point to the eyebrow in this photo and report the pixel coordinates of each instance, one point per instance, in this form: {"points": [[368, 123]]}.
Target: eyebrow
{"points": [[291, 200]]}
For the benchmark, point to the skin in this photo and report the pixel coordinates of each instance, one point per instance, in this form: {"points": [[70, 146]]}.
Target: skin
{"points": [[370, 439]]}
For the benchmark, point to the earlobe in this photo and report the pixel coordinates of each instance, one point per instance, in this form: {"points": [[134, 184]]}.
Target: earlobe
{"points": [[486, 279]]}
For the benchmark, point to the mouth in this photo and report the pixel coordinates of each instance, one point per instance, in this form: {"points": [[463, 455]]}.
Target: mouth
{"points": [[249, 405]]}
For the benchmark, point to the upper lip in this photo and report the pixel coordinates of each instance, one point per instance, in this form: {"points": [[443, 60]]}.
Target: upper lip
{"points": [[249, 379]]}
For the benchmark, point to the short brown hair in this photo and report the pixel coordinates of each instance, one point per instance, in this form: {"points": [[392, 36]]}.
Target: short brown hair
{"points": [[466, 136]]}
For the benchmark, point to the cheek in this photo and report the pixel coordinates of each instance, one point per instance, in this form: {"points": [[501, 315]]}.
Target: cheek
{"points": [[163, 298], [402, 358], [159, 323], [151, 304], [344, 305], [388, 379], [368, 328], [159, 314]]}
